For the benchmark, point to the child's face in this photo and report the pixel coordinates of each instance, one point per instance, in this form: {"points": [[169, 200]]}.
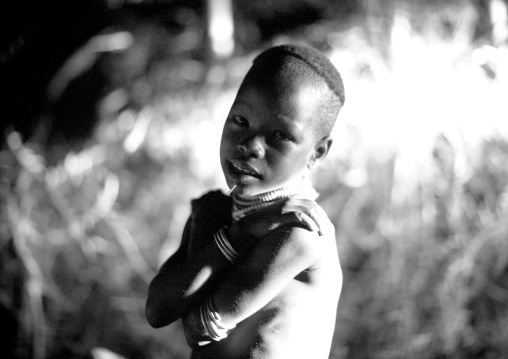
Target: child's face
{"points": [[268, 139]]}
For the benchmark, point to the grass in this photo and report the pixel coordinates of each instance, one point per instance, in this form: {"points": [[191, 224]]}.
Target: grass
{"points": [[416, 186]]}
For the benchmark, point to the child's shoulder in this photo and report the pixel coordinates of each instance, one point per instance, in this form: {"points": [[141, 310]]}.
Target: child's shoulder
{"points": [[293, 239]]}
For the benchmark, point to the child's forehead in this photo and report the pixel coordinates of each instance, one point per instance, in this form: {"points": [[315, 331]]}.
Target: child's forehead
{"points": [[292, 102]]}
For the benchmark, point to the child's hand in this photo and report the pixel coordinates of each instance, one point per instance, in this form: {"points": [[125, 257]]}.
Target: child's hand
{"points": [[193, 329], [305, 213], [309, 214]]}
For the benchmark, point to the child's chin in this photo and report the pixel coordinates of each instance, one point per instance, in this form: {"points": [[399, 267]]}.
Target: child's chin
{"points": [[244, 191]]}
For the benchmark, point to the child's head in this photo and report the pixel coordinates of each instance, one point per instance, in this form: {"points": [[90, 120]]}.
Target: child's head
{"points": [[278, 128]]}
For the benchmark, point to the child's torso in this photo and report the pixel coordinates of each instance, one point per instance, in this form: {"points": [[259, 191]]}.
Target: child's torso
{"points": [[297, 323]]}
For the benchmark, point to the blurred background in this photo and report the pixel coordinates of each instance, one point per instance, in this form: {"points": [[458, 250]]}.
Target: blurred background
{"points": [[111, 116]]}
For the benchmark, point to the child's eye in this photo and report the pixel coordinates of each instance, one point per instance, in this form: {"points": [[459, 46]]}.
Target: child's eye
{"points": [[282, 136], [240, 121]]}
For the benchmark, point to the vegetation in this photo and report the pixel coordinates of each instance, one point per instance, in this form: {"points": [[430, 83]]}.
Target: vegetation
{"points": [[416, 186]]}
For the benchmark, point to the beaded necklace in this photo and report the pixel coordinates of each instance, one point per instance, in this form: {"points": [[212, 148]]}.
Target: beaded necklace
{"points": [[243, 205]]}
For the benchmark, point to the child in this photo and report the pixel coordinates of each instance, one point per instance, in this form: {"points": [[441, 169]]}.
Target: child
{"points": [[254, 277]]}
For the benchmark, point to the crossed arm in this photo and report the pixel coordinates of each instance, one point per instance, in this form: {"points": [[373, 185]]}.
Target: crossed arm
{"points": [[185, 281], [256, 279], [182, 281]]}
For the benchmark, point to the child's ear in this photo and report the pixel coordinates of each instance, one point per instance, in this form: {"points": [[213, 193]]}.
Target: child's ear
{"points": [[321, 149]]}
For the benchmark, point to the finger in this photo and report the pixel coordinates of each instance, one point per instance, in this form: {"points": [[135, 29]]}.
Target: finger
{"points": [[313, 219], [320, 211], [309, 222], [301, 218], [314, 215], [327, 227], [321, 218], [316, 219]]}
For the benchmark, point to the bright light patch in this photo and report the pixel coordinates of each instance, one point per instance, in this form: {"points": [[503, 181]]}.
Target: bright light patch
{"points": [[433, 87], [499, 19], [220, 27]]}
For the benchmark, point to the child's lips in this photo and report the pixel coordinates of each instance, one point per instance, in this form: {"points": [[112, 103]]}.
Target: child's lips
{"points": [[242, 168]]}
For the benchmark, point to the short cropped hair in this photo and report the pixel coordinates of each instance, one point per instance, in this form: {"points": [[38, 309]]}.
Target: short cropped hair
{"points": [[310, 65]]}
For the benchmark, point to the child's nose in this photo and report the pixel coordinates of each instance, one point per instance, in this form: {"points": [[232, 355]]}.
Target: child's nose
{"points": [[252, 147]]}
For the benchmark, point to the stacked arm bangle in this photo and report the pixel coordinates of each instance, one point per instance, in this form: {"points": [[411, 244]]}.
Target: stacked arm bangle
{"points": [[212, 323], [225, 247], [210, 319]]}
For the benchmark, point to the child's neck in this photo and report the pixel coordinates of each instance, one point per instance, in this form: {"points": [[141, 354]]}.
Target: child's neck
{"points": [[243, 204]]}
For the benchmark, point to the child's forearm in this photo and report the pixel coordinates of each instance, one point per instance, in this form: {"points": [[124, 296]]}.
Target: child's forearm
{"points": [[181, 283], [194, 330], [259, 277]]}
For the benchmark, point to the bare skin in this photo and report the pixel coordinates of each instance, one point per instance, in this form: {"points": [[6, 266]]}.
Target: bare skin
{"points": [[283, 298], [283, 290], [188, 275]]}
